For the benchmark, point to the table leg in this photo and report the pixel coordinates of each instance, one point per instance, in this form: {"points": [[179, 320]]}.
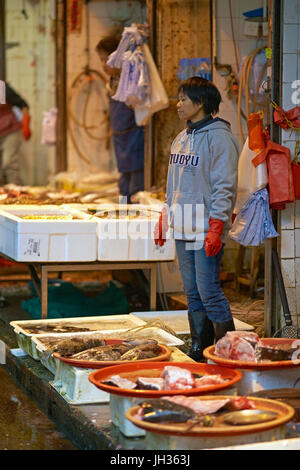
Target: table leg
{"points": [[44, 292], [152, 272]]}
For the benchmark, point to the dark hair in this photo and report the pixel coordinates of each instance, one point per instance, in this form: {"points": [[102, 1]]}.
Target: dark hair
{"points": [[202, 91], [108, 44]]}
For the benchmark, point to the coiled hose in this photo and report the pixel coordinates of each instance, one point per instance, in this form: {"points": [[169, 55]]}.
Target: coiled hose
{"points": [[87, 74]]}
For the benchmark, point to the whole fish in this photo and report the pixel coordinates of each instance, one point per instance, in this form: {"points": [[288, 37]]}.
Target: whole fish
{"points": [[159, 410]]}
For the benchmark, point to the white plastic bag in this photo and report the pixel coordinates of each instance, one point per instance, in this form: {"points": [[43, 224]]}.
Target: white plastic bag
{"points": [[158, 97], [250, 179], [49, 127]]}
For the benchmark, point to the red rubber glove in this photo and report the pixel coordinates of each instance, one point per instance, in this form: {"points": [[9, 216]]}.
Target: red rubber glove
{"points": [[161, 228], [25, 126], [213, 242]]}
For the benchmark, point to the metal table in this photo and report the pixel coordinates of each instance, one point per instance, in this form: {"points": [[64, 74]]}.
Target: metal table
{"points": [[40, 280]]}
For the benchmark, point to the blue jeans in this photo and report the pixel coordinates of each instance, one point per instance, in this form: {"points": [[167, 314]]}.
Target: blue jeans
{"points": [[201, 282]]}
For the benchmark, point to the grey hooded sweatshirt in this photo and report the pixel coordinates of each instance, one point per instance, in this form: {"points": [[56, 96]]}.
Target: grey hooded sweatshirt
{"points": [[202, 178]]}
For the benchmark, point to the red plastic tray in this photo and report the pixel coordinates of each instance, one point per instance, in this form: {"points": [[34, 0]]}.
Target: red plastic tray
{"points": [[285, 413], [154, 369], [165, 354], [209, 354]]}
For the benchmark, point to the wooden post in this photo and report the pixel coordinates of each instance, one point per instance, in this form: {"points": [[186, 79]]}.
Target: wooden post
{"points": [[61, 91]]}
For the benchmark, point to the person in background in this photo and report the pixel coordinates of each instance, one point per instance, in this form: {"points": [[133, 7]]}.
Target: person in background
{"points": [[14, 126], [128, 138], [202, 173]]}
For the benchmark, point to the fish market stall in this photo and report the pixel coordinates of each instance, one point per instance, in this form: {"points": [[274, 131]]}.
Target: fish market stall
{"points": [[266, 363], [210, 421], [128, 384], [68, 239]]}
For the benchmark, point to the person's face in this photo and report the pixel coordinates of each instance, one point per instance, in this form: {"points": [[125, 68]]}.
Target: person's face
{"points": [[187, 110], [103, 56]]}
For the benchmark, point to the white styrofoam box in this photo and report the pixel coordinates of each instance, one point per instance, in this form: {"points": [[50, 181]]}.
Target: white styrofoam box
{"points": [[156, 441], [132, 239], [73, 384], [178, 320], [256, 380], [38, 240], [282, 444], [36, 344], [118, 407], [108, 323], [120, 404]]}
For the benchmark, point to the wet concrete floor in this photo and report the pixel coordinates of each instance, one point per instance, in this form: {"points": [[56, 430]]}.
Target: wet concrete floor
{"points": [[23, 426]]}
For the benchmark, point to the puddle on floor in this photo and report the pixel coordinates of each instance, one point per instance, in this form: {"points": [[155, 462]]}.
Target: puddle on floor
{"points": [[23, 426]]}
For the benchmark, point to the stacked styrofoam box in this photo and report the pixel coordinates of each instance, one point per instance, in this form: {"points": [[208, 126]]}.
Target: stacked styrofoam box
{"points": [[42, 240], [131, 239]]}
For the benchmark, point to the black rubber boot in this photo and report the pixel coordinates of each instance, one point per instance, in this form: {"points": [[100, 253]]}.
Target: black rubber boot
{"points": [[222, 328], [202, 334]]}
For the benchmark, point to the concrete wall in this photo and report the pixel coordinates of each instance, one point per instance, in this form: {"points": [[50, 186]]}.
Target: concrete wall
{"points": [[289, 242], [30, 70]]}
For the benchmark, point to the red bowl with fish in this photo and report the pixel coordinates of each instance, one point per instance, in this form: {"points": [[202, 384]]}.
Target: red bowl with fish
{"points": [[283, 411], [154, 370], [262, 364], [165, 354]]}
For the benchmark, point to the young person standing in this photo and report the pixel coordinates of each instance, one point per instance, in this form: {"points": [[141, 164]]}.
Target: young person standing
{"points": [[201, 194]]}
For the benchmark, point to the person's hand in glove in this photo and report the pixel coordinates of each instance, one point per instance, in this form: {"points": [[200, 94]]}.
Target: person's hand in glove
{"points": [[213, 242], [161, 228], [25, 124]]}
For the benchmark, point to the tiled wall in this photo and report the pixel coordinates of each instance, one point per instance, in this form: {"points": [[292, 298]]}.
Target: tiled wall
{"points": [[289, 242], [35, 82], [101, 17]]}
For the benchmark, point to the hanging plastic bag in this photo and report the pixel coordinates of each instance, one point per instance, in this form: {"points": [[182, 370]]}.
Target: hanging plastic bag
{"points": [[250, 178], [255, 131], [49, 127], [158, 97], [253, 224], [280, 175]]}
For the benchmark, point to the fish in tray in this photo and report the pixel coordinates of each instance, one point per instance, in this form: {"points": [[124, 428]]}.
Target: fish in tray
{"points": [[102, 353], [159, 410], [144, 351], [194, 410], [74, 345], [129, 350]]}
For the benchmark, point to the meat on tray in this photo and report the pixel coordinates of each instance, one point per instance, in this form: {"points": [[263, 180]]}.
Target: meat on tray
{"points": [[176, 378], [247, 347], [172, 378]]}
